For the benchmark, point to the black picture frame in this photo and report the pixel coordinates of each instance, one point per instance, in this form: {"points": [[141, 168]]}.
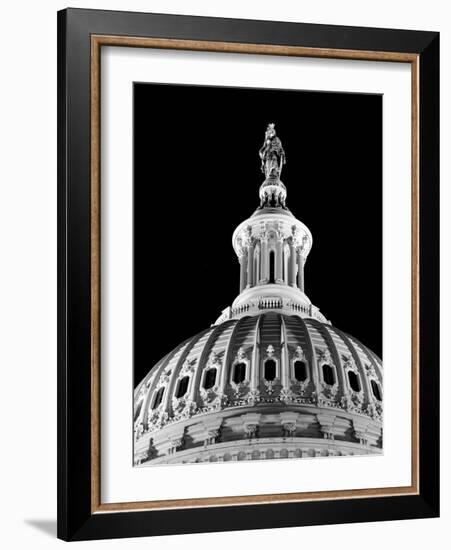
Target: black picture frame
{"points": [[76, 518]]}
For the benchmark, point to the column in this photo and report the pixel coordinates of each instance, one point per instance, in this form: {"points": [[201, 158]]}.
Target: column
{"points": [[292, 266], [250, 265], [278, 270], [300, 270], [257, 254], [243, 265], [264, 259], [285, 265]]}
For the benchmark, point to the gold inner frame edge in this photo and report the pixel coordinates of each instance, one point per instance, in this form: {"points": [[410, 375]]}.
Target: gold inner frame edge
{"points": [[97, 41]]}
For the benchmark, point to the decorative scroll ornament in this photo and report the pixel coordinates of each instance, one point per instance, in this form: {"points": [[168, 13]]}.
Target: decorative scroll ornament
{"points": [[164, 379], [220, 402], [189, 409], [253, 397], [324, 355], [208, 395], [178, 404], [327, 391], [213, 360], [270, 350], [370, 371], [188, 367], [239, 388], [301, 387], [286, 395], [299, 353], [158, 419], [352, 402], [349, 363], [374, 409], [270, 386]]}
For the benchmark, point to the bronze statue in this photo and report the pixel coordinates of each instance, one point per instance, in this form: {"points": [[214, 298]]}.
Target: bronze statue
{"points": [[272, 154]]}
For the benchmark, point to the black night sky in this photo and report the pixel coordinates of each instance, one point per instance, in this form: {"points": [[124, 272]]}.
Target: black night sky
{"points": [[197, 176]]}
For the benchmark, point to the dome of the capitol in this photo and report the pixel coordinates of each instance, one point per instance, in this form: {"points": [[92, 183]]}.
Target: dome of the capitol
{"points": [[292, 386], [272, 378]]}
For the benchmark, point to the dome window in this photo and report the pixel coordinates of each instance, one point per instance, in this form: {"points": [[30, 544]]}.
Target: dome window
{"points": [[376, 390], [328, 375], [182, 387], [210, 378], [158, 398], [300, 371], [270, 370], [354, 381], [239, 373]]}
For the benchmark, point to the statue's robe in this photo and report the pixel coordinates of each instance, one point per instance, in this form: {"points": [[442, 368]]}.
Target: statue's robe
{"points": [[272, 155]]}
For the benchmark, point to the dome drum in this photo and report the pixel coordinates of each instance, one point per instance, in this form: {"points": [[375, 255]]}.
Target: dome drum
{"points": [[263, 449], [297, 427]]}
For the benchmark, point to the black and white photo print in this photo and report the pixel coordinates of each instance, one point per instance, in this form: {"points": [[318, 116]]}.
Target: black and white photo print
{"points": [[258, 293]]}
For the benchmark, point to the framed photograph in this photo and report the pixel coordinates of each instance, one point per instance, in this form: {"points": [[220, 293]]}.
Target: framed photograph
{"points": [[248, 274]]}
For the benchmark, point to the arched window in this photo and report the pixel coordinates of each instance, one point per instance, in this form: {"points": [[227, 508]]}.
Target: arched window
{"points": [[376, 390], [210, 378], [354, 380], [328, 375], [271, 267], [138, 410], [158, 398], [182, 387], [270, 370], [300, 370], [239, 373]]}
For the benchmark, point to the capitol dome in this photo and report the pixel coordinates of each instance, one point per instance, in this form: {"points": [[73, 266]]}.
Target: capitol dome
{"points": [[272, 378]]}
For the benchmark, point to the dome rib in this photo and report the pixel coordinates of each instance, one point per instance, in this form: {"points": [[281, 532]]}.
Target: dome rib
{"points": [[284, 354], [256, 354], [228, 352], [312, 353]]}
